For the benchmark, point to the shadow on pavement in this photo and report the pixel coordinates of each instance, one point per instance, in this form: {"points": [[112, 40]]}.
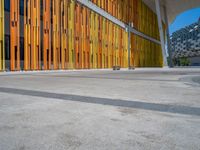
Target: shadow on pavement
{"points": [[186, 110]]}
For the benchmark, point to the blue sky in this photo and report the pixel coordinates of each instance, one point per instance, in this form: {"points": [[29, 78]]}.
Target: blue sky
{"points": [[185, 19]]}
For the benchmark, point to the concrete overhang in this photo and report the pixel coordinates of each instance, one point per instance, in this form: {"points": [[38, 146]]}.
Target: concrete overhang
{"points": [[173, 7]]}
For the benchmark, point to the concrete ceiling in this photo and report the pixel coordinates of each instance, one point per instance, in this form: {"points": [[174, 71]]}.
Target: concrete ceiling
{"points": [[174, 7]]}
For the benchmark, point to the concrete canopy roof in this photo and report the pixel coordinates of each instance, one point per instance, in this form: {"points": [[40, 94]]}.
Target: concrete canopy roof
{"points": [[174, 7]]}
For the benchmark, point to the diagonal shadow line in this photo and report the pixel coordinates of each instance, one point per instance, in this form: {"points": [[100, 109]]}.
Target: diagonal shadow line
{"points": [[177, 109]]}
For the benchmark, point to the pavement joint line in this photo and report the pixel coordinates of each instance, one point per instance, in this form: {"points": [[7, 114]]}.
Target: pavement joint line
{"points": [[112, 78], [167, 108], [55, 71]]}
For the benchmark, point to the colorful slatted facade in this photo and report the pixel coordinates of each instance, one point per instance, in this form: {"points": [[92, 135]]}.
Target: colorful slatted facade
{"points": [[63, 34]]}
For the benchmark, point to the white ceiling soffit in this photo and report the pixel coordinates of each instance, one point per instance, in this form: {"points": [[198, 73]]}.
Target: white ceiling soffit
{"points": [[174, 7]]}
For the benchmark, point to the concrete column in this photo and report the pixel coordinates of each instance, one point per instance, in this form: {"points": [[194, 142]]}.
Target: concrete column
{"points": [[157, 2], [169, 48], [129, 46]]}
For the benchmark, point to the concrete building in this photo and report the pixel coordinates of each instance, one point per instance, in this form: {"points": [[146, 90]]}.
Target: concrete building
{"points": [[186, 43]]}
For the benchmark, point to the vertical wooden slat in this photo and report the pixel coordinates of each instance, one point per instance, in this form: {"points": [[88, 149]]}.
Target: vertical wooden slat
{"points": [[78, 38], [2, 50], [47, 34], [64, 34], [14, 35], [35, 35], [27, 34], [88, 38], [71, 34], [56, 34]]}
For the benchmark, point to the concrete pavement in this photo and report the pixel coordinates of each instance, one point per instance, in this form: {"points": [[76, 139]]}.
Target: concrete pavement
{"points": [[101, 109]]}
